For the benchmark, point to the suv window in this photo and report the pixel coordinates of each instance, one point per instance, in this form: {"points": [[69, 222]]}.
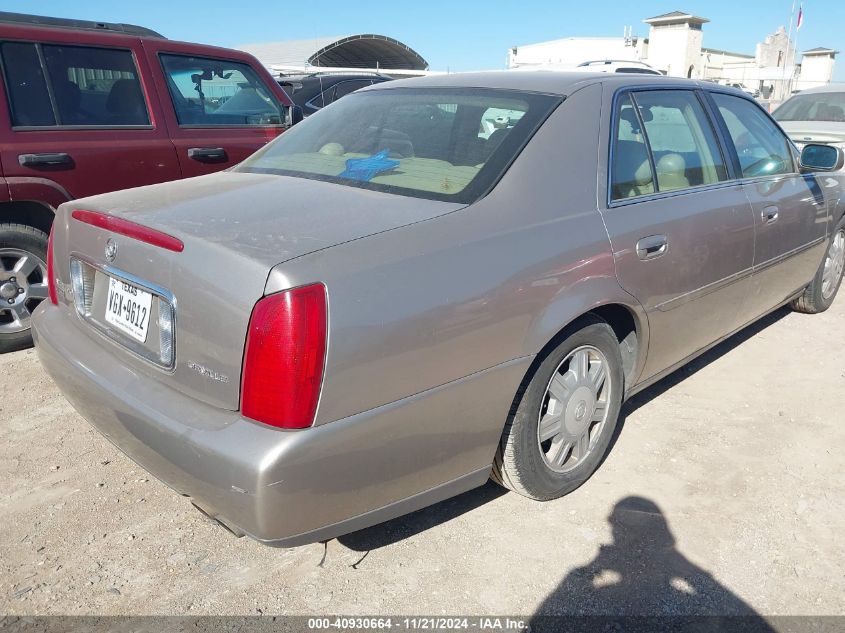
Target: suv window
{"points": [[215, 92], [763, 150], [346, 87], [677, 134], [29, 100], [424, 143], [95, 86], [90, 86]]}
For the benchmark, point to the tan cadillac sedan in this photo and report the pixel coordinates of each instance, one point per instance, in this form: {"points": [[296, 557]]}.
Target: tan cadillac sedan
{"points": [[427, 284]]}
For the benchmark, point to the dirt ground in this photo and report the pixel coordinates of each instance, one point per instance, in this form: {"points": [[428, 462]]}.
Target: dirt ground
{"points": [[723, 494]]}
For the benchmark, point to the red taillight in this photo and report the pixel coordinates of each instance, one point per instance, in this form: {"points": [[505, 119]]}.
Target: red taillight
{"points": [[284, 357], [129, 229], [51, 271]]}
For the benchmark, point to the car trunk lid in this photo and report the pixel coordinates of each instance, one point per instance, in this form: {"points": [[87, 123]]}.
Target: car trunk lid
{"points": [[234, 229]]}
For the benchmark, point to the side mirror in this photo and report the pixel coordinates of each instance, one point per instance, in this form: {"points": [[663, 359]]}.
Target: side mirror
{"points": [[817, 157], [294, 115]]}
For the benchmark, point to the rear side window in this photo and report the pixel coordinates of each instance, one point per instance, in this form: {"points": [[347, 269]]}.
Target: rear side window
{"points": [[29, 100], [631, 173], [87, 86], [763, 150], [95, 86], [215, 92], [663, 137]]}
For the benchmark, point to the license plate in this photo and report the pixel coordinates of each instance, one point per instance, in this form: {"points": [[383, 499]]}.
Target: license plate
{"points": [[128, 309]]}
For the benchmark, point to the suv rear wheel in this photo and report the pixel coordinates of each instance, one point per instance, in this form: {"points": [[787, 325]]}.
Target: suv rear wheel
{"points": [[23, 282]]}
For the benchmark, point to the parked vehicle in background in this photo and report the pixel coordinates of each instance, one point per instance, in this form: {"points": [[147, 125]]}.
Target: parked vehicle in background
{"points": [[317, 90], [90, 107], [617, 66], [740, 86], [396, 300], [816, 115]]}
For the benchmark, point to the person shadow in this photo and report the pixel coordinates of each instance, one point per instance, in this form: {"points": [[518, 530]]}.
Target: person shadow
{"points": [[642, 582]]}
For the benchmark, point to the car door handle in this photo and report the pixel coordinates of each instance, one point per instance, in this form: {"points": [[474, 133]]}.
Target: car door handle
{"points": [[207, 154], [769, 215], [45, 160], [652, 246]]}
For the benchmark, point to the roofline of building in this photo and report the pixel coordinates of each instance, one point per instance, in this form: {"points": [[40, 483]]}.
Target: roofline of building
{"points": [[686, 18], [819, 51], [731, 53]]}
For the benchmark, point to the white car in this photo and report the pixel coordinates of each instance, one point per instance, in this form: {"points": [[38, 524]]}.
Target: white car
{"points": [[744, 88], [815, 115], [617, 66]]}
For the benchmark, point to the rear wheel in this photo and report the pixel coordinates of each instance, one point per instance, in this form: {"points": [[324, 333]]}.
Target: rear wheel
{"points": [[565, 417], [23, 282], [821, 292]]}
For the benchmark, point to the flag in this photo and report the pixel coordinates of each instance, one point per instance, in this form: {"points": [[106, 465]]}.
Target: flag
{"points": [[800, 17]]}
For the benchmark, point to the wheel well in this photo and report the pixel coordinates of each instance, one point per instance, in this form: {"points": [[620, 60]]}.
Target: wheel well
{"points": [[624, 325], [29, 213], [621, 319]]}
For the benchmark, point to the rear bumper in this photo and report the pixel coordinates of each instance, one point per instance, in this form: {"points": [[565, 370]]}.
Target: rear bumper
{"points": [[284, 488]]}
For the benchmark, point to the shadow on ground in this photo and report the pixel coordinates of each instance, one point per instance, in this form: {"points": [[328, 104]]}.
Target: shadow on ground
{"points": [[396, 530], [641, 581]]}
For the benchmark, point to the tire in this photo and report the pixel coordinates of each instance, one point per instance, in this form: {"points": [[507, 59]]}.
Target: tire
{"points": [[532, 467], [20, 244], [819, 295]]}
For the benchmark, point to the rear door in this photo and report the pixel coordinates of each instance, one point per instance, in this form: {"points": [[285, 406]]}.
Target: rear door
{"points": [[79, 118], [680, 226], [789, 207], [220, 106]]}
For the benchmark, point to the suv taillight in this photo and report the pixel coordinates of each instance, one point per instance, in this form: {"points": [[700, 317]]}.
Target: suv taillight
{"points": [[51, 271], [284, 357]]}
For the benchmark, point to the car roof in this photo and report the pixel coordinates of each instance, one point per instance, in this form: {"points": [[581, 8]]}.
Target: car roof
{"points": [[550, 82]]}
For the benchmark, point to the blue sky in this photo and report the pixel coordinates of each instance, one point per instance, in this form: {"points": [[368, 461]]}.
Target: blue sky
{"points": [[456, 34]]}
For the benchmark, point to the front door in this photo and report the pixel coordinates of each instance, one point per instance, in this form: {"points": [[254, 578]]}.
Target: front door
{"points": [[789, 207], [79, 119], [682, 232], [219, 110]]}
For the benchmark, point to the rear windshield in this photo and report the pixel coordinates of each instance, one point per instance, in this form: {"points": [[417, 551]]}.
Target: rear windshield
{"points": [[822, 106], [429, 143]]}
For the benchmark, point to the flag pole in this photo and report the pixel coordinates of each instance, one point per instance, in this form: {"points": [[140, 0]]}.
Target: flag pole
{"points": [[786, 56], [798, 25]]}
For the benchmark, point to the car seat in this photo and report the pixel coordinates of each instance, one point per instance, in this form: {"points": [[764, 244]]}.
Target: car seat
{"points": [[126, 103]]}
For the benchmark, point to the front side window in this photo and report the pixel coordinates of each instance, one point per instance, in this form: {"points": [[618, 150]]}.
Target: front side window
{"points": [[95, 86], [216, 92], [441, 144], [763, 150], [670, 133], [822, 106]]}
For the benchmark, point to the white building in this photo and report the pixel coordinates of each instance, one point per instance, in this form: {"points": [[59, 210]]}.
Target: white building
{"points": [[674, 46]]}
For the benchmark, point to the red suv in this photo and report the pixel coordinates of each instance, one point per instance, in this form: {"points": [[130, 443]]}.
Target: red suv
{"points": [[90, 107]]}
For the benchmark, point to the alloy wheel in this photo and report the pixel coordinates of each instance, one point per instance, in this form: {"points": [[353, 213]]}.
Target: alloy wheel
{"points": [[574, 409], [834, 264], [23, 285]]}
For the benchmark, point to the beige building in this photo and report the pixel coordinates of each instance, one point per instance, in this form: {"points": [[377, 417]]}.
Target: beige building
{"points": [[674, 46]]}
